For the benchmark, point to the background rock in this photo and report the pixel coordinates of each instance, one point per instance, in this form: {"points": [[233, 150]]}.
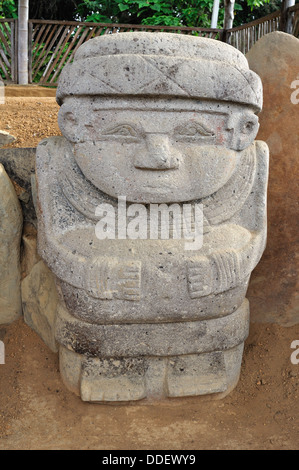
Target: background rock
{"points": [[6, 138], [19, 163], [273, 290], [10, 240], [39, 299], [29, 250]]}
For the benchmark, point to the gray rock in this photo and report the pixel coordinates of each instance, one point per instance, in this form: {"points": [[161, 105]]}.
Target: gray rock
{"points": [[156, 339], [19, 163], [11, 222], [40, 300], [6, 138], [130, 379]]}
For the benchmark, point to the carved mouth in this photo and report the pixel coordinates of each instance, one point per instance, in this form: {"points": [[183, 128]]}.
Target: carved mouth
{"points": [[158, 188]]}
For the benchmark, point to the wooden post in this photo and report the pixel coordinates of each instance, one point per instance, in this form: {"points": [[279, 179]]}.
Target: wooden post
{"points": [[23, 42], [215, 13], [30, 32], [13, 54], [228, 13], [286, 19], [228, 18]]}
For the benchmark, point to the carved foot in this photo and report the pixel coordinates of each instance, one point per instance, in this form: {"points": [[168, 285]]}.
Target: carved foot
{"points": [[130, 379]]}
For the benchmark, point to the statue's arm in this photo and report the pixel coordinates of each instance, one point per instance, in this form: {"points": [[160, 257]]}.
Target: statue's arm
{"points": [[103, 277], [225, 269]]}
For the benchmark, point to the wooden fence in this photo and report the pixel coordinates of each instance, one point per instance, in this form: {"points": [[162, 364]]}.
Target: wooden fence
{"points": [[52, 44], [244, 37], [8, 49], [294, 12]]}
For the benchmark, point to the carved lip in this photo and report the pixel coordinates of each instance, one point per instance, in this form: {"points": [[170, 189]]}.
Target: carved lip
{"points": [[158, 187]]}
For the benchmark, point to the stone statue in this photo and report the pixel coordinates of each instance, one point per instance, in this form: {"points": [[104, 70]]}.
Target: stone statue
{"points": [[153, 121]]}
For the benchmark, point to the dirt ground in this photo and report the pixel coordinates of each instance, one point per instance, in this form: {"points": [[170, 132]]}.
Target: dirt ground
{"points": [[38, 412], [29, 118]]}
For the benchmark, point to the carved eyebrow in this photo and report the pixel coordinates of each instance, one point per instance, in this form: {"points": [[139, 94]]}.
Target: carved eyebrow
{"points": [[125, 130], [193, 129]]}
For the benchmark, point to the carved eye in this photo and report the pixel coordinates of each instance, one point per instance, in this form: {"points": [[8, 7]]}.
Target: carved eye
{"points": [[122, 130], [193, 130], [250, 125]]}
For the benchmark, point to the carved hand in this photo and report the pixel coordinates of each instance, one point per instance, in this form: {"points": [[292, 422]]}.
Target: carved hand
{"points": [[199, 277], [111, 278]]}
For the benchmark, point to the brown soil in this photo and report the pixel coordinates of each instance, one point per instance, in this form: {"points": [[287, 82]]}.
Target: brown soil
{"points": [[38, 412], [29, 118]]}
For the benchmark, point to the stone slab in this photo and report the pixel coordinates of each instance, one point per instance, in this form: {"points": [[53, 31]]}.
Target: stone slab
{"points": [[164, 339], [274, 286], [40, 300], [11, 221], [19, 163], [131, 379]]}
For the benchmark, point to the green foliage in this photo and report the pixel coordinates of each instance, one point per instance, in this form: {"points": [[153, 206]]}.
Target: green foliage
{"points": [[196, 13], [8, 9], [42, 9], [250, 10]]}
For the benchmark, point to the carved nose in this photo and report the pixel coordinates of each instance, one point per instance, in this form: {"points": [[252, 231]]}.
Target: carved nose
{"points": [[158, 155]]}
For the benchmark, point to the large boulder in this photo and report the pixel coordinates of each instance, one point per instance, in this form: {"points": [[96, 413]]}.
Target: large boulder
{"points": [[273, 291]]}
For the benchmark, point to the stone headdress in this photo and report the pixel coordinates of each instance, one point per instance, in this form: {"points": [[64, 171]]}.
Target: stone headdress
{"points": [[160, 65]]}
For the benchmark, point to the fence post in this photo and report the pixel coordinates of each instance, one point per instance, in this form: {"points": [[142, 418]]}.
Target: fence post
{"points": [[229, 6], [228, 13], [23, 42], [14, 54], [286, 18], [30, 33], [225, 35]]}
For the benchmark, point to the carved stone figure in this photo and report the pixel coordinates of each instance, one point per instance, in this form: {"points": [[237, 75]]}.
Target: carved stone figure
{"points": [[159, 122]]}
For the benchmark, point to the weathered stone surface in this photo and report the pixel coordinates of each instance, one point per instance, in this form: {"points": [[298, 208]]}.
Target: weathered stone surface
{"points": [[11, 221], [169, 66], [131, 379], [19, 163], [145, 339], [40, 300], [273, 291], [6, 138], [29, 255], [39, 293], [153, 122]]}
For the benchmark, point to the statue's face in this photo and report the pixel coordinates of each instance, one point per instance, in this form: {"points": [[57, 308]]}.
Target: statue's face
{"points": [[157, 151]]}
